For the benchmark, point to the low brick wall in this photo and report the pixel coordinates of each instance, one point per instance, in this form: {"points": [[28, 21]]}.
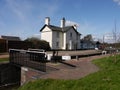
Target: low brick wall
{"points": [[9, 74]]}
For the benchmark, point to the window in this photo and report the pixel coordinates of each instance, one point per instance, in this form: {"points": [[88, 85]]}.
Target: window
{"points": [[76, 37], [57, 44], [70, 35], [57, 35]]}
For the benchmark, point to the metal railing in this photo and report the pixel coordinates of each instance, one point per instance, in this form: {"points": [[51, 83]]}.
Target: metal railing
{"points": [[32, 59]]}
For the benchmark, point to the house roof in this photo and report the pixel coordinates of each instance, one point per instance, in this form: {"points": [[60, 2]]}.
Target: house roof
{"points": [[11, 38], [56, 28], [87, 41], [65, 29]]}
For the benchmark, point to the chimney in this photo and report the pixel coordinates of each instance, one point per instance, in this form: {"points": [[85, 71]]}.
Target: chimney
{"points": [[75, 26], [47, 20], [62, 23]]}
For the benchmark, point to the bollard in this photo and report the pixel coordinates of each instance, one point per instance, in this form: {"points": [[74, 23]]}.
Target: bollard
{"points": [[77, 57]]}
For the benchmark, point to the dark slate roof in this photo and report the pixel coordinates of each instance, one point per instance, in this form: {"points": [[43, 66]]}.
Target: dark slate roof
{"points": [[65, 29], [11, 38], [56, 28], [87, 41]]}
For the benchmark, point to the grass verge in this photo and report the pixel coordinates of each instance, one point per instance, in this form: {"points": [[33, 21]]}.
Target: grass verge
{"points": [[4, 59], [107, 78]]}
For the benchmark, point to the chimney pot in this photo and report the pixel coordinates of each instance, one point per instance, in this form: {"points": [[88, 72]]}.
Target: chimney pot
{"points": [[75, 26]]}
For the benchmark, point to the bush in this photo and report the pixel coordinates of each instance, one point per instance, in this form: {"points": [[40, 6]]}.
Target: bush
{"points": [[38, 44]]}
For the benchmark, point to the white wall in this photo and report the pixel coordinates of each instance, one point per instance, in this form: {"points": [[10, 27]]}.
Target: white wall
{"points": [[56, 39], [46, 35], [73, 42], [61, 40], [51, 37], [64, 39], [78, 42]]}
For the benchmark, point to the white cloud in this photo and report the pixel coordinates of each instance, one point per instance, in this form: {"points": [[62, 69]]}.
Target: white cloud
{"points": [[117, 1], [23, 17], [36, 35], [108, 36], [19, 8], [71, 23], [14, 7], [48, 9], [87, 28], [2, 24], [26, 9]]}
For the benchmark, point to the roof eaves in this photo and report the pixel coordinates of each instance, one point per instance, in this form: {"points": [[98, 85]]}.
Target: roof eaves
{"points": [[43, 28]]}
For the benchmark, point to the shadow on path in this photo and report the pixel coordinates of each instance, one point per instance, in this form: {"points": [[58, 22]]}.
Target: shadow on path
{"points": [[71, 65]]}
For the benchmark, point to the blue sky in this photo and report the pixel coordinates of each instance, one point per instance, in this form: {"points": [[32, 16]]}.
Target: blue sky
{"points": [[24, 18]]}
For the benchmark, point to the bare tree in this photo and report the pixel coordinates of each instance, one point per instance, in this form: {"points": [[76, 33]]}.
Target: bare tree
{"points": [[115, 41], [118, 38]]}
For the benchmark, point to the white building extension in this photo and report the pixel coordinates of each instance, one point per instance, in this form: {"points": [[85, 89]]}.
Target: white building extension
{"points": [[63, 37]]}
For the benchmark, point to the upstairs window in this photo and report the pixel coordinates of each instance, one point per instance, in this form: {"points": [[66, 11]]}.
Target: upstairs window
{"points": [[76, 37], [70, 35], [57, 35]]}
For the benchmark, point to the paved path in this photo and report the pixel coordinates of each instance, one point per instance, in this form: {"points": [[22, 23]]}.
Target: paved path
{"points": [[83, 68], [72, 53], [4, 56], [60, 53]]}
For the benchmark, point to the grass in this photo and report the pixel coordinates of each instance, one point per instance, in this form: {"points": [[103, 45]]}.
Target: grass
{"points": [[107, 78], [4, 59]]}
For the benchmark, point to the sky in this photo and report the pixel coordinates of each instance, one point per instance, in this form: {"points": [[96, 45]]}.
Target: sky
{"points": [[25, 18]]}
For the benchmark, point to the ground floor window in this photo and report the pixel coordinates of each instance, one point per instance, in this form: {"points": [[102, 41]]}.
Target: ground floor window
{"points": [[57, 44]]}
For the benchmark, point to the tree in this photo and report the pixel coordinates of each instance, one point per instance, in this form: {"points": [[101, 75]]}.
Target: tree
{"points": [[88, 37], [38, 44]]}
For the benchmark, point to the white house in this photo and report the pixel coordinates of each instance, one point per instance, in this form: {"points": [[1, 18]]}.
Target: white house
{"points": [[63, 37], [86, 44]]}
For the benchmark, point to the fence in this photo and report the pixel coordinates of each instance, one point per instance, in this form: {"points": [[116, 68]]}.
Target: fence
{"points": [[32, 59], [3, 46], [19, 45], [6, 45]]}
